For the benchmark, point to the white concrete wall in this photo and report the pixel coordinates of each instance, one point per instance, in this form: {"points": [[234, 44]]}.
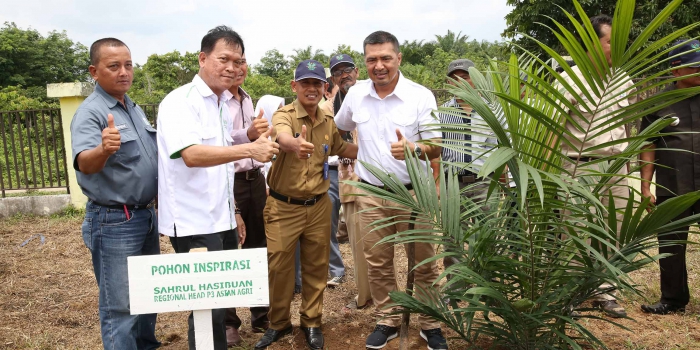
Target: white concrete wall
{"points": [[33, 205]]}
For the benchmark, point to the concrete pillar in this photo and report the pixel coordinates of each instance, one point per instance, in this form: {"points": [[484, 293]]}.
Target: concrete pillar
{"points": [[70, 95]]}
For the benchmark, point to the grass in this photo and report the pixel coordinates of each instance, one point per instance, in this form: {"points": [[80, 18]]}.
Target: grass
{"points": [[34, 193], [48, 300]]}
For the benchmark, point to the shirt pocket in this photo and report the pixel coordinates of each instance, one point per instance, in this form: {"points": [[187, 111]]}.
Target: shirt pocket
{"points": [[405, 121], [208, 135], [362, 119], [129, 150]]}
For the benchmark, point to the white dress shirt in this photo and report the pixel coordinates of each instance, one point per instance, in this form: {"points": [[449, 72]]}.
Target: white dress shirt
{"points": [[193, 201], [408, 108]]}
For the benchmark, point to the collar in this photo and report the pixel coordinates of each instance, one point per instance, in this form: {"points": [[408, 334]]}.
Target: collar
{"points": [[229, 96], [399, 90], [110, 100], [301, 112], [205, 91]]}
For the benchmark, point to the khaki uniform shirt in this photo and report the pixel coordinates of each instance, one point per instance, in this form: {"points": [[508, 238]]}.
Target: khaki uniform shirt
{"points": [[303, 178], [678, 172], [620, 96]]}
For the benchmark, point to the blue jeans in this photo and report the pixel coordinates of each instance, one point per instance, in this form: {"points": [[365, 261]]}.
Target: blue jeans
{"points": [[335, 263], [112, 238]]}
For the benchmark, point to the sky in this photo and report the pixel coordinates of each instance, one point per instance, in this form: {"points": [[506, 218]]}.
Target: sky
{"points": [[160, 26]]}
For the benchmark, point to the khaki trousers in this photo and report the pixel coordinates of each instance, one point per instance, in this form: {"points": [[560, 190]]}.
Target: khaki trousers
{"points": [[285, 225], [620, 191], [364, 294], [380, 258]]}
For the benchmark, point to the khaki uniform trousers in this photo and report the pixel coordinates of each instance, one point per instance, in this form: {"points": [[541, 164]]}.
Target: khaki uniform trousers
{"points": [[380, 258], [620, 191], [364, 294], [285, 225]]}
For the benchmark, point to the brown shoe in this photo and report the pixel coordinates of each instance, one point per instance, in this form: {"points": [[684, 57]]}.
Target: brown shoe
{"points": [[232, 337]]}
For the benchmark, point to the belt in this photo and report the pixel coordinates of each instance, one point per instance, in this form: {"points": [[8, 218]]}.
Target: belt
{"points": [[408, 186], [128, 206], [305, 202], [249, 175], [584, 159]]}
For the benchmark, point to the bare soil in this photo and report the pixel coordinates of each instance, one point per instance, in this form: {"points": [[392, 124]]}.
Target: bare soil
{"points": [[48, 300]]}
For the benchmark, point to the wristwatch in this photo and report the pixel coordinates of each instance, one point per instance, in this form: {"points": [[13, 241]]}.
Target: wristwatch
{"points": [[418, 151]]}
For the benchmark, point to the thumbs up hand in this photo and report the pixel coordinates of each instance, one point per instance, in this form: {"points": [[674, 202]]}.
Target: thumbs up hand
{"points": [[263, 149], [258, 127], [111, 138], [304, 149], [398, 147]]}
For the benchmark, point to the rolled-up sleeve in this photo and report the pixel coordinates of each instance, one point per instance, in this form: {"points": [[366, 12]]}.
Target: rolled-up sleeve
{"points": [[343, 120], [179, 126]]}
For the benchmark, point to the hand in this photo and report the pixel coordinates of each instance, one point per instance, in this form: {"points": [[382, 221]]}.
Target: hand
{"points": [[398, 148], [259, 126], [652, 199], [111, 138], [240, 225], [263, 149], [304, 149]]}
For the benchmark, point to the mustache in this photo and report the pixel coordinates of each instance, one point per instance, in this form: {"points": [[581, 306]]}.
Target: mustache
{"points": [[383, 71]]}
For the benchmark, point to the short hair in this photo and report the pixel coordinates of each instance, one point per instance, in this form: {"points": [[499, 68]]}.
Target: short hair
{"points": [[599, 21], [99, 44], [225, 33], [331, 85], [380, 37]]}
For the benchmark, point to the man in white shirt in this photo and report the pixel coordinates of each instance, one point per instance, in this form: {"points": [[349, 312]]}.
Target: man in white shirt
{"points": [[390, 113], [195, 155], [249, 194]]}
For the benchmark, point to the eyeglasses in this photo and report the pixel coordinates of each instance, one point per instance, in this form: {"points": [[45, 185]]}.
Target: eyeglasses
{"points": [[346, 70]]}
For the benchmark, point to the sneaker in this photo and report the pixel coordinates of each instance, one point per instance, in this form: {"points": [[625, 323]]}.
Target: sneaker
{"points": [[611, 308], [335, 281], [434, 338], [381, 335]]}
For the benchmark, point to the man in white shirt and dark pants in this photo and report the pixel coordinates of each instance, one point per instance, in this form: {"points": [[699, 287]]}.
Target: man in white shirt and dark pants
{"points": [[390, 113], [195, 155]]}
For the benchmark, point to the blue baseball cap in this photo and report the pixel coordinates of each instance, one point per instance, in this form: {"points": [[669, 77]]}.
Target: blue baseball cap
{"points": [[341, 58], [689, 53], [310, 69]]}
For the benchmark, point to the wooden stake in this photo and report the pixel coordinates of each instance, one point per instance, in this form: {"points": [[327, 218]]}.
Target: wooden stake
{"points": [[411, 257], [203, 329]]}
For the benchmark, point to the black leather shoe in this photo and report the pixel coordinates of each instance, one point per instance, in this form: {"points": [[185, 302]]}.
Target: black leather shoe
{"points": [[662, 308], [271, 336], [314, 337]]}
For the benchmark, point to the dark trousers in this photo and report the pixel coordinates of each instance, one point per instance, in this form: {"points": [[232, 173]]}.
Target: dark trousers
{"points": [[213, 242], [250, 196], [674, 275]]}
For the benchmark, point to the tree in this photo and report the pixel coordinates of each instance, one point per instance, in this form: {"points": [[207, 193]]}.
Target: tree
{"points": [[162, 74], [272, 64], [533, 253], [534, 16], [452, 42], [29, 59]]}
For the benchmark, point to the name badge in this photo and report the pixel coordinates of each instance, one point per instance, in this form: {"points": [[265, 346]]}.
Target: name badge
{"points": [[120, 127]]}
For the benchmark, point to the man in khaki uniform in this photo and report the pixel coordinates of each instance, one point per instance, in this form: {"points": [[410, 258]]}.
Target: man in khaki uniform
{"points": [[298, 208], [619, 94]]}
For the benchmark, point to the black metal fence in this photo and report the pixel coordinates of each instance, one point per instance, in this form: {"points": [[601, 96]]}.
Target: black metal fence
{"points": [[32, 152]]}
